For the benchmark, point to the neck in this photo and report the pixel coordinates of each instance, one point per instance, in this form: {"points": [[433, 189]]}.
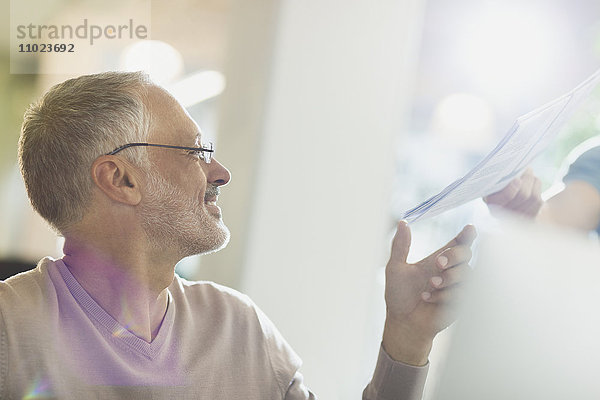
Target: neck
{"points": [[124, 282]]}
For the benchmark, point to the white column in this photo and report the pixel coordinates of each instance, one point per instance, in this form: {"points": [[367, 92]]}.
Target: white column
{"points": [[316, 201]]}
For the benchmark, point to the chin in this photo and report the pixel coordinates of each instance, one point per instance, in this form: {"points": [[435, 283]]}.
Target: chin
{"points": [[217, 248], [209, 241], [221, 242]]}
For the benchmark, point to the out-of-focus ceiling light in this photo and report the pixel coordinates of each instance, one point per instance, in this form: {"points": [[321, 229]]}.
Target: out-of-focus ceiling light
{"points": [[198, 87], [465, 120], [158, 59]]}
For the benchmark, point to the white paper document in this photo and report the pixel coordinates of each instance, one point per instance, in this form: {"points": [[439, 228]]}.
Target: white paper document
{"points": [[529, 136]]}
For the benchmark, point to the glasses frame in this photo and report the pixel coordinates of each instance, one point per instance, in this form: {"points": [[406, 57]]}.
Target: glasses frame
{"points": [[205, 152]]}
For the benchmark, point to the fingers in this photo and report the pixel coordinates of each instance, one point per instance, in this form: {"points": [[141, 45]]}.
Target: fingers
{"points": [[450, 277], [445, 296], [522, 195], [454, 269], [465, 237], [444, 288], [454, 256], [401, 243], [504, 196], [528, 200], [533, 204]]}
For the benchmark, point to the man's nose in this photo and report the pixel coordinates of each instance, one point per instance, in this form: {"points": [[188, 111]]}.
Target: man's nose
{"points": [[217, 174]]}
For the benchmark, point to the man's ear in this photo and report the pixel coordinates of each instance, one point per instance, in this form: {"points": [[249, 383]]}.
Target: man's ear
{"points": [[116, 179]]}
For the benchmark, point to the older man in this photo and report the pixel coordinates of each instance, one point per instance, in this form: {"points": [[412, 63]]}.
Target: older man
{"points": [[118, 167]]}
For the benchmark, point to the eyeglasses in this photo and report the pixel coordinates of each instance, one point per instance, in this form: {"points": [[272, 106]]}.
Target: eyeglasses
{"points": [[205, 153]]}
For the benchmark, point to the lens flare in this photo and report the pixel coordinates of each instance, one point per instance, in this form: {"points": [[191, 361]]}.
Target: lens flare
{"points": [[39, 389]]}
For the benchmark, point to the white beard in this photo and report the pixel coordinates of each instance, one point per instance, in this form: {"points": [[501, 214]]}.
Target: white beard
{"points": [[173, 221]]}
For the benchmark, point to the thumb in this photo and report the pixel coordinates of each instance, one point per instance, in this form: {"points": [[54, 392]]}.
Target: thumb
{"points": [[401, 243]]}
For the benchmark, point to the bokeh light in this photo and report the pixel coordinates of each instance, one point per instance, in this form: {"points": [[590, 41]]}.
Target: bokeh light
{"points": [[198, 87], [158, 59], [464, 119], [506, 46]]}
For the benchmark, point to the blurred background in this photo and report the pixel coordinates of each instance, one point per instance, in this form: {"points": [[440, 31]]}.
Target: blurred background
{"points": [[334, 117]]}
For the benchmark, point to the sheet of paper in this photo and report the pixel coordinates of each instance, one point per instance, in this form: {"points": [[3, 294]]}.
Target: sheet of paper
{"points": [[528, 137]]}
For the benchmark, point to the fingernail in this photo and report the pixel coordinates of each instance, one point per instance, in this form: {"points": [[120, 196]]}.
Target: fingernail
{"points": [[425, 295], [443, 261], [436, 281]]}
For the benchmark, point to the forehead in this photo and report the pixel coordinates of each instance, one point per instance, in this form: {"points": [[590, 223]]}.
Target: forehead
{"points": [[170, 123]]}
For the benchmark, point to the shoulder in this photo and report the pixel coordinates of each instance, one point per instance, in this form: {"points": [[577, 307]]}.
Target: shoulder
{"points": [[26, 300], [221, 302], [586, 151], [584, 163], [26, 286], [235, 316], [214, 302], [206, 293]]}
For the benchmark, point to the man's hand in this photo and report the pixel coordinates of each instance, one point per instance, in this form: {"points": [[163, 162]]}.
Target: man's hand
{"points": [[522, 195], [420, 297]]}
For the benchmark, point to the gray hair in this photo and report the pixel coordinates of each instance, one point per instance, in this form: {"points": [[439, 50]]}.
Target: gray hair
{"points": [[68, 128]]}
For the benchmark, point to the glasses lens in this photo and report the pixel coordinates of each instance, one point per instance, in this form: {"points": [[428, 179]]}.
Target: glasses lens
{"points": [[208, 154]]}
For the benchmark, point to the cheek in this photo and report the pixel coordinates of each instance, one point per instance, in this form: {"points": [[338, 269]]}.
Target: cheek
{"points": [[196, 181], [190, 178]]}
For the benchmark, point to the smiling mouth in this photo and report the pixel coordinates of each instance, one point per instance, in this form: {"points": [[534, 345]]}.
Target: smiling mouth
{"points": [[212, 207], [210, 199]]}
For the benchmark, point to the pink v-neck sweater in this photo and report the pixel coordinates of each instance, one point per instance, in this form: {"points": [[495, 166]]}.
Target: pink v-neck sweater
{"points": [[213, 343]]}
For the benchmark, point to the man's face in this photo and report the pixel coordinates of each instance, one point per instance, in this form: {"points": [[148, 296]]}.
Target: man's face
{"points": [[178, 209]]}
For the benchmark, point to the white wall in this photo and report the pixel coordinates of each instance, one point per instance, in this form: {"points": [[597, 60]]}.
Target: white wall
{"points": [[319, 209]]}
